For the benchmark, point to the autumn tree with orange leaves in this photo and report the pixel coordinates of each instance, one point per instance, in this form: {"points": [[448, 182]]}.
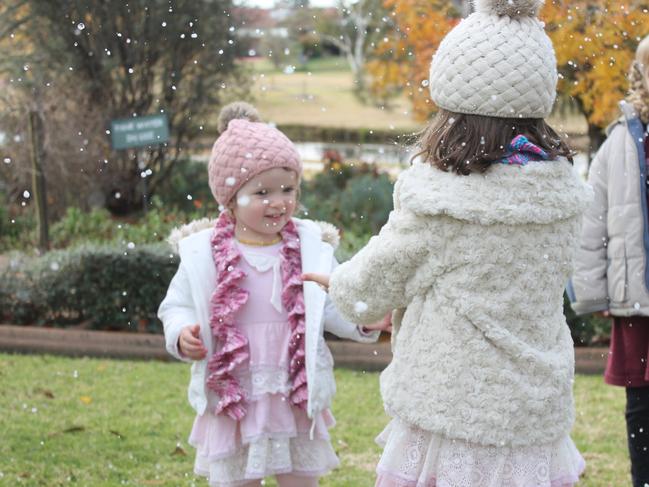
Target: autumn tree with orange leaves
{"points": [[402, 59], [595, 41]]}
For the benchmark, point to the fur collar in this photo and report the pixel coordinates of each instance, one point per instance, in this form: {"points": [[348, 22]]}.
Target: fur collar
{"points": [[328, 232], [539, 192]]}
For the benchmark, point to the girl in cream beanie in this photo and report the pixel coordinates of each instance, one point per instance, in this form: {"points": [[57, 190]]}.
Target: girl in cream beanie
{"points": [[474, 259]]}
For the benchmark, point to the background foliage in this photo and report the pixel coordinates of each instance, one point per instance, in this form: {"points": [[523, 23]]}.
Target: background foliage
{"points": [[103, 287], [595, 42]]}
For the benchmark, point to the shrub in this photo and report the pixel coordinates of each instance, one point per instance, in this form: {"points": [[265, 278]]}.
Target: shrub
{"points": [[187, 178], [168, 209], [16, 230], [78, 226], [109, 287], [350, 244], [366, 203], [586, 330], [98, 226], [355, 198]]}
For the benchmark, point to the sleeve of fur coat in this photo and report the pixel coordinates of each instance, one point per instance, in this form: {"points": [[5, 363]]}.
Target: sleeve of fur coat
{"points": [[375, 280], [339, 326], [589, 287]]}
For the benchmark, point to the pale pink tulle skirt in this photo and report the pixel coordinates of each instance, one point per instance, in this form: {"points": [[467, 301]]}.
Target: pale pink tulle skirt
{"points": [[416, 458], [271, 439]]}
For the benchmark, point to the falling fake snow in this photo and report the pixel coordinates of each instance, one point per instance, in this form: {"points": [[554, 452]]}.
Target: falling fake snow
{"points": [[360, 307]]}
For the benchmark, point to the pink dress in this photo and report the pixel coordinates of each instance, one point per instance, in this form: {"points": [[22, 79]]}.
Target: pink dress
{"points": [[273, 437]]}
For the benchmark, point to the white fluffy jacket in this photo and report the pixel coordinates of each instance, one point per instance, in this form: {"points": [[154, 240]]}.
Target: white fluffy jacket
{"points": [[188, 297], [479, 263]]}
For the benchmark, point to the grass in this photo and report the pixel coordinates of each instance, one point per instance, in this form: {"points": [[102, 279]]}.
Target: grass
{"points": [[320, 94], [95, 422], [315, 65]]}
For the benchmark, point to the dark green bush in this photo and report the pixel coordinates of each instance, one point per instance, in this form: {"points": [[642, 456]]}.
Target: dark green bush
{"points": [[17, 230], [107, 287], [366, 203], [586, 330], [355, 198], [187, 178]]}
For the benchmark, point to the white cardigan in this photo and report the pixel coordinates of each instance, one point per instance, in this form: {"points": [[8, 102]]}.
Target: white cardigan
{"points": [[479, 263], [188, 302]]}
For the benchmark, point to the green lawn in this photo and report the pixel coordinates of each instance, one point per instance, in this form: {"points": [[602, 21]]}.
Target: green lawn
{"points": [[100, 422], [320, 94]]}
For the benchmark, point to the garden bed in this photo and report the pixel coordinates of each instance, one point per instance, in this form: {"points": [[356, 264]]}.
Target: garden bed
{"points": [[129, 345]]}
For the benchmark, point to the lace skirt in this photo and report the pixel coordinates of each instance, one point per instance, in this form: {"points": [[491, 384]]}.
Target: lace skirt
{"points": [[416, 458], [272, 438]]}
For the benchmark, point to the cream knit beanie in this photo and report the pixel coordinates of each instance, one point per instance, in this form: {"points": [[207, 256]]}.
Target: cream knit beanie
{"points": [[497, 62]]}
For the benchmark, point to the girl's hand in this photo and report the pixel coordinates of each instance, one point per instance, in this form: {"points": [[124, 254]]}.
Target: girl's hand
{"points": [[190, 344], [321, 280], [603, 314], [384, 325]]}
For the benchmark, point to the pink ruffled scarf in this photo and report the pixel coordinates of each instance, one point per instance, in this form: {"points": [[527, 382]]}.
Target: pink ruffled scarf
{"points": [[228, 298]]}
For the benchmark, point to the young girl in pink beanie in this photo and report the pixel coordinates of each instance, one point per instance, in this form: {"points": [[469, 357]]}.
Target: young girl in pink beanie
{"points": [[262, 378]]}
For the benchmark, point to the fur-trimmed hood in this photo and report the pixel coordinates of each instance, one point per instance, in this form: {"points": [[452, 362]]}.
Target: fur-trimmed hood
{"points": [[329, 232], [539, 192]]}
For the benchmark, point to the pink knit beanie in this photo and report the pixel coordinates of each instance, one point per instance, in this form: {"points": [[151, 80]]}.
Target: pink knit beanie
{"points": [[245, 148]]}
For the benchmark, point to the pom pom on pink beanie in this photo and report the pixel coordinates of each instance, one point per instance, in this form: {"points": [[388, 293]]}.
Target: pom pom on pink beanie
{"points": [[246, 148]]}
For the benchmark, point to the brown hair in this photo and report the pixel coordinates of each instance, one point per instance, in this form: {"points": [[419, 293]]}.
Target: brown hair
{"points": [[471, 143]]}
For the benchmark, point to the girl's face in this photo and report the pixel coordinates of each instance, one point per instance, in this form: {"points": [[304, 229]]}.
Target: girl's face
{"points": [[265, 204]]}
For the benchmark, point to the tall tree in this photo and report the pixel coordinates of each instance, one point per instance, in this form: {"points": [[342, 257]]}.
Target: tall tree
{"points": [[356, 31], [595, 42], [402, 59], [122, 59]]}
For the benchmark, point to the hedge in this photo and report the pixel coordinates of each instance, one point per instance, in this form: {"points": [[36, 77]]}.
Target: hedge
{"points": [[102, 286]]}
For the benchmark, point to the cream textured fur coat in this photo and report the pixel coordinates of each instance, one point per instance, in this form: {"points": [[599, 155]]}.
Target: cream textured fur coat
{"points": [[479, 264]]}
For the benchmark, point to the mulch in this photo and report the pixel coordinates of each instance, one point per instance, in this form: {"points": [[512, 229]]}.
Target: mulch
{"points": [[142, 346]]}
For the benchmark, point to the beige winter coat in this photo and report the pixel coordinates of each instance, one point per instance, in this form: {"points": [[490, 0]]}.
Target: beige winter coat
{"points": [[611, 269], [479, 263]]}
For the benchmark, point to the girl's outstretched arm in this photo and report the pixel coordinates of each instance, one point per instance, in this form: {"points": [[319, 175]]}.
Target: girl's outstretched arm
{"points": [[375, 281]]}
